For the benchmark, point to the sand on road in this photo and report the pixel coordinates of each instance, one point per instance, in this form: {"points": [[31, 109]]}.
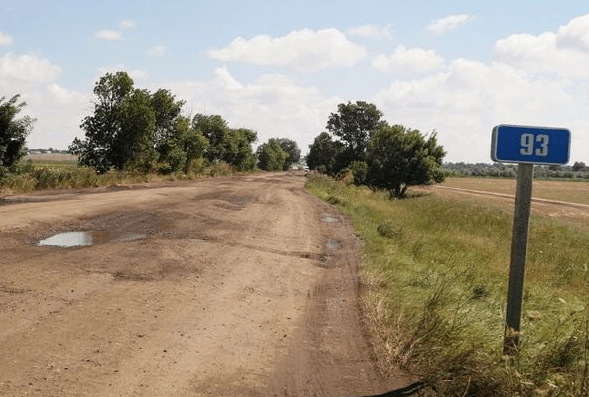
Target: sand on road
{"points": [[239, 286]]}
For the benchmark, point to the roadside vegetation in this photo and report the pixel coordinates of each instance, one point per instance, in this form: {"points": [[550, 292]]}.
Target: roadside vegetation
{"points": [[133, 136], [361, 146], [435, 272]]}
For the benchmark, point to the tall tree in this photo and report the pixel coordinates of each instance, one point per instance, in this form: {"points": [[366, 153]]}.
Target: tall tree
{"points": [[133, 146], [353, 124], [293, 151], [103, 127], [13, 131], [398, 158]]}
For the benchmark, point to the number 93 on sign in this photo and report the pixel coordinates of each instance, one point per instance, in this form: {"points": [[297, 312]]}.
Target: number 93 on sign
{"points": [[537, 145]]}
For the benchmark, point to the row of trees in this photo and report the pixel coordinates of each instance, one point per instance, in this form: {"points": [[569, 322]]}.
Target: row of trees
{"points": [[379, 155], [132, 128], [505, 170]]}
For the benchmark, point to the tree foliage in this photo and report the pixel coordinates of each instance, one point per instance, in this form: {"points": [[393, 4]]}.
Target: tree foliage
{"points": [[354, 124], [233, 146], [271, 155], [133, 128], [293, 151], [323, 154], [399, 157], [13, 131], [377, 154]]}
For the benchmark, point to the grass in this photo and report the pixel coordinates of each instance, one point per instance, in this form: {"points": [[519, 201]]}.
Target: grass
{"points": [[436, 276], [33, 175]]}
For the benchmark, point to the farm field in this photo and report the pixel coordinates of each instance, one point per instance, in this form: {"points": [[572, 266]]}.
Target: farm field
{"points": [[569, 191], [57, 157]]}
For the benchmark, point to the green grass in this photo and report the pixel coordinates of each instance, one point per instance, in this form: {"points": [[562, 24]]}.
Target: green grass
{"points": [[436, 275]]}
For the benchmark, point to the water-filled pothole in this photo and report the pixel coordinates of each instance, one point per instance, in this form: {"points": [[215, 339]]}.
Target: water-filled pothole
{"points": [[329, 218], [333, 244], [81, 239]]}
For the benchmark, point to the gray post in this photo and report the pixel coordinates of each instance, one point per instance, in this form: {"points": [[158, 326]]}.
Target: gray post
{"points": [[519, 243]]}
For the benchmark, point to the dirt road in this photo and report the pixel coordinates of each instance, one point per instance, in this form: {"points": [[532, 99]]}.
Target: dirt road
{"points": [[242, 286]]}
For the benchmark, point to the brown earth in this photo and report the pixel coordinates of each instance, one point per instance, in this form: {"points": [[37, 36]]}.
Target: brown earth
{"points": [[241, 286]]}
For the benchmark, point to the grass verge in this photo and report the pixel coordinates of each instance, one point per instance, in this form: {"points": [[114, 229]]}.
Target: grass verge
{"points": [[30, 176], [436, 271]]}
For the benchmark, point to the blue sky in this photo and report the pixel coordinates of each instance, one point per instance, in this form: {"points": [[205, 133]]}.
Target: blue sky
{"points": [[281, 67]]}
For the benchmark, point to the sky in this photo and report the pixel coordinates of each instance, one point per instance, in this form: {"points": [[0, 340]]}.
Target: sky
{"points": [[456, 67]]}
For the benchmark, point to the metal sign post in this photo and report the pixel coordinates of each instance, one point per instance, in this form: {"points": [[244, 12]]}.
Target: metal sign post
{"points": [[526, 146]]}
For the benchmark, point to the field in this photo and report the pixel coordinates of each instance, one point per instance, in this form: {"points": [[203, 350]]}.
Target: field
{"points": [[52, 158], [435, 270], [568, 191]]}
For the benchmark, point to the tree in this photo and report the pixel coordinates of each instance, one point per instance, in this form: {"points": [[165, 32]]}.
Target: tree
{"points": [[103, 128], [132, 128], [237, 148], [13, 131], [354, 123], [323, 154], [398, 157], [271, 155], [293, 151], [579, 166], [233, 146], [133, 146], [214, 129]]}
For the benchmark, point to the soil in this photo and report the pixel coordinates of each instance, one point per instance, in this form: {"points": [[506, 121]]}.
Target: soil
{"points": [[239, 286]]}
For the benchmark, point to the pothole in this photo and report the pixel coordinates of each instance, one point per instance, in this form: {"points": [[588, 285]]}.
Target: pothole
{"points": [[81, 239], [329, 218], [333, 244]]}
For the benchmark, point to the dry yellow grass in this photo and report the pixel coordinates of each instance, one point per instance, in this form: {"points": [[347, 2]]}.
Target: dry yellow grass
{"points": [[51, 157], [569, 191]]}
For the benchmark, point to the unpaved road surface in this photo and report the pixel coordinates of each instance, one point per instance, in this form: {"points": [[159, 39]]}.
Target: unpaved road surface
{"points": [[241, 286]]}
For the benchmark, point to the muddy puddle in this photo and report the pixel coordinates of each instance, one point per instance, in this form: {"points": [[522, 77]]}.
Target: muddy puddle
{"points": [[82, 239]]}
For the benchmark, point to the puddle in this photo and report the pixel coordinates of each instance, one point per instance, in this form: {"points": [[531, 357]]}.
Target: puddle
{"points": [[328, 218], [333, 244], [81, 239]]}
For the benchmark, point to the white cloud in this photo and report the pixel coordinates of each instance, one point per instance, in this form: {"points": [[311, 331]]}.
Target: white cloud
{"points": [[138, 74], [27, 69], [466, 101], [303, 50], [274, 105], [128, 24], [451, 22], [157, 51], [58, 110], [5, 39], [575, 34], [372, 31], [545, 53], [408, 60], [108, 35]]}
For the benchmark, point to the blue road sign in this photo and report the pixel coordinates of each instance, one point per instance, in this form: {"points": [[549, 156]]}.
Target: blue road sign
{"points": [[536, 145]]}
